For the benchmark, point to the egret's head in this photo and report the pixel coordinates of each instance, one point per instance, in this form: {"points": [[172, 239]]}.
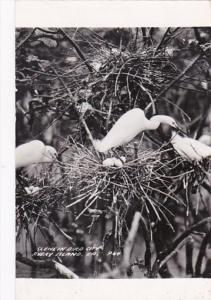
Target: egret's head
{"points": [[50, 154], [170, 121], [162, 119]]}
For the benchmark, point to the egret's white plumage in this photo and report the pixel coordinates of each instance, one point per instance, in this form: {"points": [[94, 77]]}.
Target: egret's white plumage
{"points": [[49, 154], [189, 148], [29, 153], [205, 139], [130, 125], [32, 157]]}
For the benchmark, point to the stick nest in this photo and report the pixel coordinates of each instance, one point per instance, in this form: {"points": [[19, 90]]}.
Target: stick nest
{"points": [[81, 184]]}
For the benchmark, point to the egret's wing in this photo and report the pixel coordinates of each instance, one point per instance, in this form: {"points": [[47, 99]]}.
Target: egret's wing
{"points": [[201, 149], [205, 139], [179, 147], [193, 149], [185, 148], [125, 129]]}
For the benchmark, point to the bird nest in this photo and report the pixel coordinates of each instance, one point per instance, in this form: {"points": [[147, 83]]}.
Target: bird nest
{"points": [[148, 181], [111, 80]]}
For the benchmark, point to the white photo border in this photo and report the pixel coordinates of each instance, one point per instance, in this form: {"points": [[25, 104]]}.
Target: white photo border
{"points": [[76, 14]]}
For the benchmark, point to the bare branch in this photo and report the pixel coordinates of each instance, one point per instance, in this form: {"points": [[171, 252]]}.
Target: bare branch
{"points": [[61, 269]]}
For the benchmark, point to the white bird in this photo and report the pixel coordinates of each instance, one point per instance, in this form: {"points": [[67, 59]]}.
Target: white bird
{"points": [[128, 126], [29, 155], [205, 139], [189, 148]]}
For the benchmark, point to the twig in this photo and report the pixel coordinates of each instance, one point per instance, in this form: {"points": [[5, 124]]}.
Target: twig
{"points": [[122, 269], [192, 63], [78, 50], [147, 238], [109, 114], [61, 269], [89, 135], [203, 119], [198, 36], [25, 40], [69, 238], [206, 186], [32, 32], [136, 38], [189, 256], [144, 35], [201, 254], [74, 101], [162, 41], [65, 109], [64, 271], [130, 240], [164, 256], [47, 31]]}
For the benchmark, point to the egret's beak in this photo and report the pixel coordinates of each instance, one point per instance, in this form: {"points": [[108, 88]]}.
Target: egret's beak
{"points": [[55, 156], [181, 130]]}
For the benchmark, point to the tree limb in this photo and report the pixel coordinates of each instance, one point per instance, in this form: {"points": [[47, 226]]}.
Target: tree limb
{"points": [[61, 269]]}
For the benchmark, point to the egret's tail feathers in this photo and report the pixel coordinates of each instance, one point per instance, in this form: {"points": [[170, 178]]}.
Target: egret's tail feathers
{"points": [[99, 146]]}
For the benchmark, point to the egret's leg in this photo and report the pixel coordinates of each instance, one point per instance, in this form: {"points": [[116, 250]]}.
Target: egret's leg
{"points": [[136, 147], [141, 140]]}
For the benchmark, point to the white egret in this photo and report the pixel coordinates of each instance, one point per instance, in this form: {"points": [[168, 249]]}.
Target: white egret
{"points": [[205, 139], [189, 148], [29, 155], [128, 126]]}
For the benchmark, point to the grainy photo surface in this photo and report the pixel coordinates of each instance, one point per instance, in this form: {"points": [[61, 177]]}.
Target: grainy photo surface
{"points": [[113, 140]]}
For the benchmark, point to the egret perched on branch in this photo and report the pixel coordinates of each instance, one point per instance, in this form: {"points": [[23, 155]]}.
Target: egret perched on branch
{"points": [[29, 155], [130, 125], [189, 148]]}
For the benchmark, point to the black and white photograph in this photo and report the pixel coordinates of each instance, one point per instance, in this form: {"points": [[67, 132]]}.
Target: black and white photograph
{"points": [[113, 147]]}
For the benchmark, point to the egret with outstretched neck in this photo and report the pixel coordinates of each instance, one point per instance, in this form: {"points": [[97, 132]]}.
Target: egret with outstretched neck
{"points": [[128, 126], [189, 148]]}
